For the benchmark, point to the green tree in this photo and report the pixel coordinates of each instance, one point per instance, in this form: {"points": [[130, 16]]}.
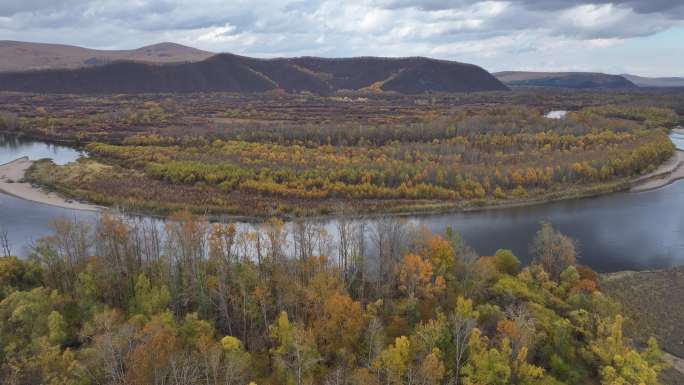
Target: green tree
{"points": [[506, 262], [149, 300], [295, 355], [485, 365]]}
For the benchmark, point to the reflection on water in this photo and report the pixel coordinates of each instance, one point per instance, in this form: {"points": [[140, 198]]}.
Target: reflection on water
{"points": [[616, 232], [13, 147]]}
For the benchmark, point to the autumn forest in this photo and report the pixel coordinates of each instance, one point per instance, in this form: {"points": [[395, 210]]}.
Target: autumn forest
{"points": [[194, 303], [293, 156], [183, 298]]}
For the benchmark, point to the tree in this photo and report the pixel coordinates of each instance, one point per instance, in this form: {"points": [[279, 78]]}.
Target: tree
{"points": [[149, 300], [16, 275], [295, 354], [394, 360], [506, 262], [431, 370], [553, 250], [485, 365], [462, 322], [5, 246], [416, 278], [236, 361], [622, 364], [339, 328], [438, 250]]}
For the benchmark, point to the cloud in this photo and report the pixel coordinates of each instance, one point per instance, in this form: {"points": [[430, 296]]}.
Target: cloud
{"points": [[493, 32], [672, 7]]}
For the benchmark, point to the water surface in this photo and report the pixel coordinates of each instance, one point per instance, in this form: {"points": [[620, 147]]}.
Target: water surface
{"points": [[559, 114], [12, 147]]}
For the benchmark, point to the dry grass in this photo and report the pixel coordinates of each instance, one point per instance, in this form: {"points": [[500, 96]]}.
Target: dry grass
{"points": [[654, 304]]}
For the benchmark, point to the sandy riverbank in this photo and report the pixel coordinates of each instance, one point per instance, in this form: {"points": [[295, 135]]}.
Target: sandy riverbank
{"points": [[669, 172], [11, 175]]}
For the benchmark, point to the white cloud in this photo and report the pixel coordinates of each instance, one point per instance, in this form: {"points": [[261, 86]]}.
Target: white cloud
{"points": [[499, 34]]}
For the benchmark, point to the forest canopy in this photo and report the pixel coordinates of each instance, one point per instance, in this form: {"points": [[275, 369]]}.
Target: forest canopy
{"points": [[198, 303]]}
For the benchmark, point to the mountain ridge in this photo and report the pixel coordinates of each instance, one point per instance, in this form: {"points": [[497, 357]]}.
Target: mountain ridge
{"points": [[656, 82], [570, 80], [235, 73], [28, 56]]}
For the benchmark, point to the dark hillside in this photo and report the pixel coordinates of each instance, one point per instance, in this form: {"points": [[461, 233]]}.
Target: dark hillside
{"points": [[232, 73]]}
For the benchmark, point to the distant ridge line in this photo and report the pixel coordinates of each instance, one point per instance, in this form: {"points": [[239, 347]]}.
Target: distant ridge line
{"points": [[234, 73]]}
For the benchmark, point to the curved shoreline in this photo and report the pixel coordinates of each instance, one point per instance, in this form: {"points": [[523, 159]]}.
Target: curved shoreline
{"points": [[11, 176], [668, 173]]}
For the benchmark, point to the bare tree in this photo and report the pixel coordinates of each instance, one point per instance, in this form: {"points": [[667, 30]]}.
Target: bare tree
{"points": [[222, 252], [349, 247], [389, 237], [524, 327], [186, 245], [61, 253], [4, 242], [554, 251], [462, 323], [304, 233]]}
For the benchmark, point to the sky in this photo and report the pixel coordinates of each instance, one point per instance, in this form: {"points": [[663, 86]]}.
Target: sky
{"points": [[644, 37]]}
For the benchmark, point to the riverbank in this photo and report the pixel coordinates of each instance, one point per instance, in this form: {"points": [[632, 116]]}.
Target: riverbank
{"points": [[668, 173], [11, 183]]}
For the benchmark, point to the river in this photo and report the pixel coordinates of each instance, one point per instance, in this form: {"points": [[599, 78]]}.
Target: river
{"points": [[622, 231]]}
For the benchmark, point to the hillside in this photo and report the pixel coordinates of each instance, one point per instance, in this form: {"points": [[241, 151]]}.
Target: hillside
{"points": [[572, 80], [653, 302], [642, 81], [233, 73], [22, 56]]}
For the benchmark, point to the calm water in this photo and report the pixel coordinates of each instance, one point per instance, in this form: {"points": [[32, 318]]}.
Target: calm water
{"points": [[616, 232], [560, 114], [12, 148]]}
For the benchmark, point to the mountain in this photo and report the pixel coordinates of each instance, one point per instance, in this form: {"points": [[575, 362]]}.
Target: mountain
{"points": [[574, 80], [654, 82], [23, 56], [233, 73]]}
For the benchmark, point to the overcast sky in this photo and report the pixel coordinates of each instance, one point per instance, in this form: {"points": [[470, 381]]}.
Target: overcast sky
{"points": [[644, 37]]}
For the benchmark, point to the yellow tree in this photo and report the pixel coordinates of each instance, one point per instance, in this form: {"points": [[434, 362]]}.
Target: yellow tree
{"points": [[339, 327], [416, 278], [394, 360]]}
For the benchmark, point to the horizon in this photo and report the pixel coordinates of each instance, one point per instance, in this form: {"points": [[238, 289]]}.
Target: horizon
{"points": [[637, 37], [350, 57]]}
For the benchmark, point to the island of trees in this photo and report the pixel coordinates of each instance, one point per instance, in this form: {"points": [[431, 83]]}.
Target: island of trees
{"points": [[428, 158], [119, 302]]}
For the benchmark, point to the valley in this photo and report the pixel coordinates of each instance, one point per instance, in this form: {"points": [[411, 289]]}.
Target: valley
{"points": [[173, 216]]}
